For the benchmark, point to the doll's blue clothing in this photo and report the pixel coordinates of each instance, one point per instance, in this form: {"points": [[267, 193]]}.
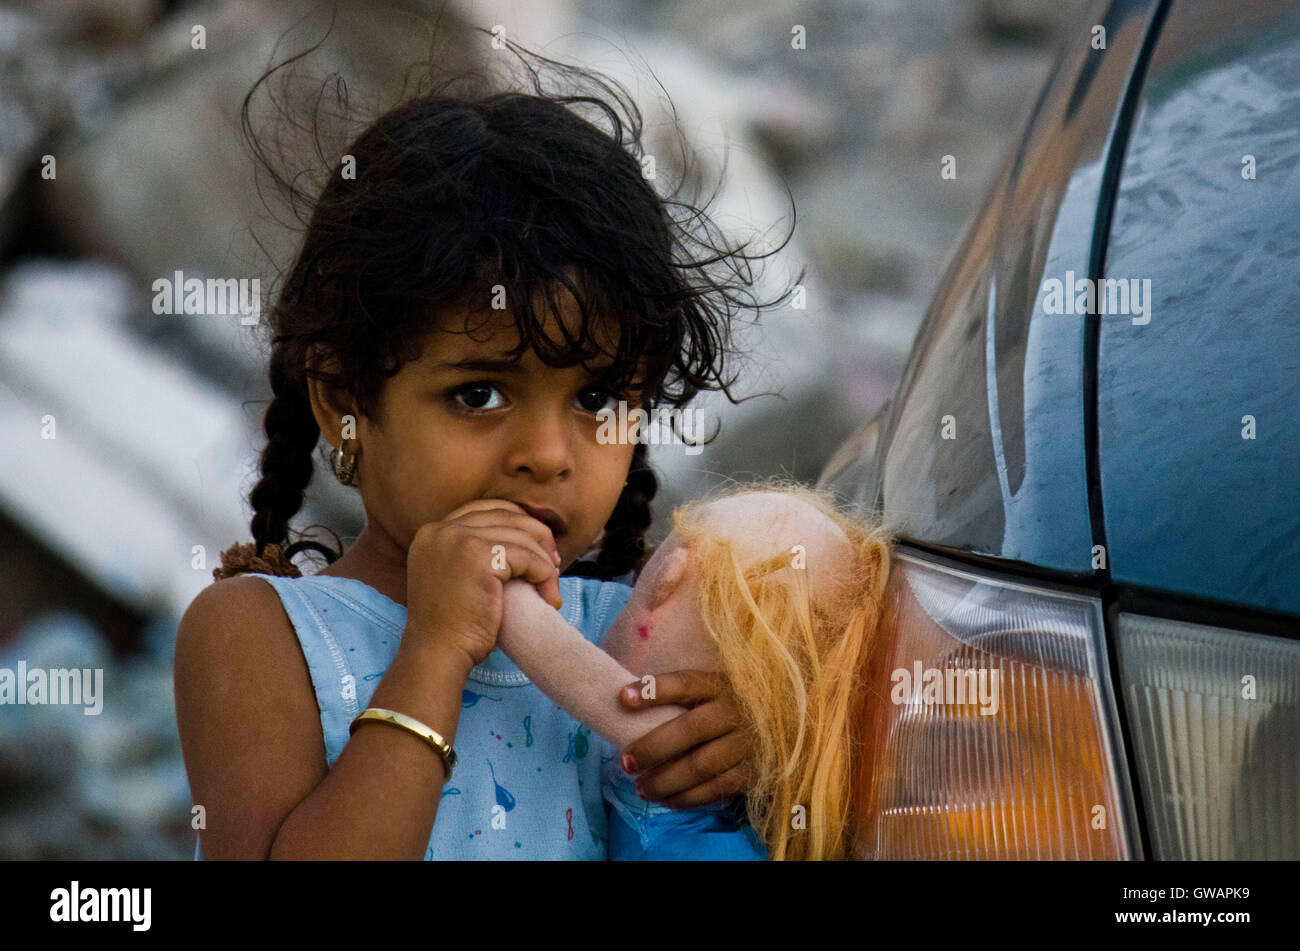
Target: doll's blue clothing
{"points": [[647, 831]]}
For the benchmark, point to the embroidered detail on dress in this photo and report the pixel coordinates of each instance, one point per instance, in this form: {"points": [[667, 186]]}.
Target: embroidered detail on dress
{"points": [[604, 601], [499, 678], [336, 654], [363, 609]]}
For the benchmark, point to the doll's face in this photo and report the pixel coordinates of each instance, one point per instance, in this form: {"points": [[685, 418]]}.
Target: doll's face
{"points": [[661, 628]]}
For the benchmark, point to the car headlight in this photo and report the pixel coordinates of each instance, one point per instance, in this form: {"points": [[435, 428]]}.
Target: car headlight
{"points": [[991, 724], [1215, 720]]}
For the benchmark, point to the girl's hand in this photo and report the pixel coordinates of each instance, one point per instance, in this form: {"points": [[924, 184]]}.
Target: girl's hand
{"points": [[456, 571], [703, 756]]}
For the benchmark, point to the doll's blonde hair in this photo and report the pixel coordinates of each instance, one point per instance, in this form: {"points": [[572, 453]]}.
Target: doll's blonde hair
{"points": [[796, 668]]}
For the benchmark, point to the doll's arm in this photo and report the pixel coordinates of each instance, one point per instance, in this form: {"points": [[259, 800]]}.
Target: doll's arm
{"points": [[571, 670]]}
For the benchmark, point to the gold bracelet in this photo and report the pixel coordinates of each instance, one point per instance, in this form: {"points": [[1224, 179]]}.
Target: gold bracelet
{"points": [[432, 737]]}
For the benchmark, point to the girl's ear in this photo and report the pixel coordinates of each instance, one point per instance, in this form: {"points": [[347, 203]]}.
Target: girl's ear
{"points": [[328, 404], [669, 576]]}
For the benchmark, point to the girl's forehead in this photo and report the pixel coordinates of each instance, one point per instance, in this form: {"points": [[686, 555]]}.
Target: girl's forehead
{"points": [[473, 332], [492, 345]]}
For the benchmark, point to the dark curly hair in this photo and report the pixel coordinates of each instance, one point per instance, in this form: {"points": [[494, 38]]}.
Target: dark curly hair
{"points": [[453, 193]]}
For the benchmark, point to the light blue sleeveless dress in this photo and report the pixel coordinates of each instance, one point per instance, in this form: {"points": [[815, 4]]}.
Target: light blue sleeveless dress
{"points": [[531, 782]]}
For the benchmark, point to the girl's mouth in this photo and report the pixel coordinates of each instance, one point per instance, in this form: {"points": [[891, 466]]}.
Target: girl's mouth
{"points": [[551, 518]]}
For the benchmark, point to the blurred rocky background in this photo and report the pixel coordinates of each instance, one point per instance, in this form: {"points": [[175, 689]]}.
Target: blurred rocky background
{"points": [[121, 162]]}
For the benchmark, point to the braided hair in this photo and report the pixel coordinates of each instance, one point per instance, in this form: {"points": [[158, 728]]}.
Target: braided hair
{"points": [[286, 465], [454, 192]]}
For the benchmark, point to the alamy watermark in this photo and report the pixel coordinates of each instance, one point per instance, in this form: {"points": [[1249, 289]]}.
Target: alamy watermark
{"points": [[77, 904], [213, 296], [1111, 295], [60, 685], [949, 685], [657, 426]]}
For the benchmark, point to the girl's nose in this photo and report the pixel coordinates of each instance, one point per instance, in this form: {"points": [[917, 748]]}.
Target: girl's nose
{"points": [[541, 445]]}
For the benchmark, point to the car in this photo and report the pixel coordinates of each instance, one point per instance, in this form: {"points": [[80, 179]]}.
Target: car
{"points": [[1090, 646]]}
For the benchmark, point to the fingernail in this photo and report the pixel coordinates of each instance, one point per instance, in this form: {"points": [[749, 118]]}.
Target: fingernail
{"points": [[557, 604], [630, 694], [629, 765]]}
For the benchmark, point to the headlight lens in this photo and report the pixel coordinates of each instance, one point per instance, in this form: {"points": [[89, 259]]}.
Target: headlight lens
{"points": [[990, 722], [1215, 720]]}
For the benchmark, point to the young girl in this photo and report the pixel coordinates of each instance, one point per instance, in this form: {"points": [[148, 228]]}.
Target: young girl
{"points": [[493, 265]]}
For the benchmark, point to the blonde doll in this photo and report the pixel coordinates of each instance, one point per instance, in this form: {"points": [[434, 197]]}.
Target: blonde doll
{"points": [[781, 593]]}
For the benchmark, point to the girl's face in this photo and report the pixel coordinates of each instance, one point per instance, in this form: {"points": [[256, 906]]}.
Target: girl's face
{"points": [[463, 423]]}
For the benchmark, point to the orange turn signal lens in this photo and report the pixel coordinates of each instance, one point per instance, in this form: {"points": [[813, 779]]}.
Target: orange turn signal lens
{"points": [[990, 724]]}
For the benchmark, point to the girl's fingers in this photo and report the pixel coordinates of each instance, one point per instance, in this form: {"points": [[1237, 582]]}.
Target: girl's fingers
{"points": [[684, 687], [516, 554], [482, 505], [693, 779], [488, 515], [680, 736], [733, 782]]}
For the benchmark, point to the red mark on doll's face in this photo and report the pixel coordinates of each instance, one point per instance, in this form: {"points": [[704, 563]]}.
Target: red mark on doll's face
{"points": [[643, 631]]}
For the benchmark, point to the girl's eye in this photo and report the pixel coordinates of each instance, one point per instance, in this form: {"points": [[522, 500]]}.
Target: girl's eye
{"points": [[594, 406], [476, 395]]}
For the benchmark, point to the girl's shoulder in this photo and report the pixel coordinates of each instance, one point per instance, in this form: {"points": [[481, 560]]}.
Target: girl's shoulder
{"points": [[242, 615], [246, 712], [247, 597]]}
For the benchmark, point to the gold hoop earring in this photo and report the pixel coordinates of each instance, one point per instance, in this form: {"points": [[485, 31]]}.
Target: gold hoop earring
{"points": [[344, 465]]}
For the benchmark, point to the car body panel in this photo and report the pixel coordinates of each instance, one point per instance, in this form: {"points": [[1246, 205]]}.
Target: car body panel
{"points": [[1002, 380], [1190, 505]]}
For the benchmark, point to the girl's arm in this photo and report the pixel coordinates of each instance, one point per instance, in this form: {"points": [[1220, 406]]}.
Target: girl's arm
{"points": [[572, 671], [254, 750]]}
